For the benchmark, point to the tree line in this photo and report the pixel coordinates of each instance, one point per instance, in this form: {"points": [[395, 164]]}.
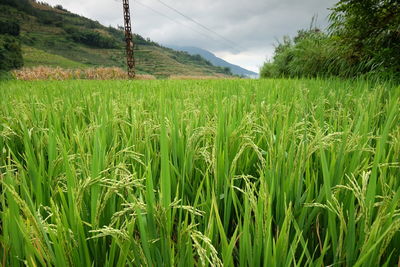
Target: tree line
{"points": [[363, 38]]}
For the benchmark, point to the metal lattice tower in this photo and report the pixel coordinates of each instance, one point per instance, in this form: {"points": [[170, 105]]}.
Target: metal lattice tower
{"points": [[130, 60]]}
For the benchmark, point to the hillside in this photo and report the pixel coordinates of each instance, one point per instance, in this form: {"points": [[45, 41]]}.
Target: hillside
{"points": [[53, 36], [216, 61]]}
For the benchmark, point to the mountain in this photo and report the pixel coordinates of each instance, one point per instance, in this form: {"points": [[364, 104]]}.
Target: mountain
{"points": [[216, 61], [54, 36]]}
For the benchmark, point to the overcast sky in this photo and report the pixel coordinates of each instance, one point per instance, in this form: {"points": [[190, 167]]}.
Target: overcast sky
{"points": [[249, 28]]}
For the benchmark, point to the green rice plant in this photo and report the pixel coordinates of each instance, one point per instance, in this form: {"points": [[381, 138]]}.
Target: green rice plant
{"points": [[200, 173]]}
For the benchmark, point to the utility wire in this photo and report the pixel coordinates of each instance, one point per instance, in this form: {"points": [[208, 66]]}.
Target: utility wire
{"points": [[172, 19], [232, 43]]}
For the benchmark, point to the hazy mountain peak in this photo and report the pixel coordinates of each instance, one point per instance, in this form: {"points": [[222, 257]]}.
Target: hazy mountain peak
{"points": [[235, 69]]}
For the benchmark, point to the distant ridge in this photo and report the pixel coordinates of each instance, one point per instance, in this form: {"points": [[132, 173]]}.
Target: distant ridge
{"points": [[216, 61]]}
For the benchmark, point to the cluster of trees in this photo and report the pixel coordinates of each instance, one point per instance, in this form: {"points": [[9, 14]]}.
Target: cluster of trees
{"points": [[363, 39], [44, 16], [22, 5], [91, 37], [10, 47]]}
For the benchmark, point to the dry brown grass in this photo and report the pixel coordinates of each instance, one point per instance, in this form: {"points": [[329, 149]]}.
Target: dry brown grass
{"points": [[193, 77], [60, 74]]}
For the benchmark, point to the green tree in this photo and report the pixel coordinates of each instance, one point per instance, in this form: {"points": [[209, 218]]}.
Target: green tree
{"points": [[9, 27], [369, 30], [10, 53], [23, 5], [10, 47]]}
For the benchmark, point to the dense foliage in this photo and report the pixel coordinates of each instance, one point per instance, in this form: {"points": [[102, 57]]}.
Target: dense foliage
{"points": [[9, 27], [10, 47], [363, 38], [369, 31], [200, 173], [23, 5]]}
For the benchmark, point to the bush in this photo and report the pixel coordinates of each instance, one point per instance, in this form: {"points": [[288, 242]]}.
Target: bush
{"points": [[226, 70], [10, 47], [6, 76], [370, 32], [60, 7], [268, 70], [9, 27], [23, 5], [10, 53]]}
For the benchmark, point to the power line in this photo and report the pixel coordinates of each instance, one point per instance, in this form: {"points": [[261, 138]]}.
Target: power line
{"points": [[201, 25], [172, 19]]}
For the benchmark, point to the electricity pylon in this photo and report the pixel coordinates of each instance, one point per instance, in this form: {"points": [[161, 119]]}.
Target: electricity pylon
{"points": [[130, 59]]}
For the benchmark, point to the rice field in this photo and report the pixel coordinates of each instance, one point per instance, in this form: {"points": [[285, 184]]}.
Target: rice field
{"points": [[199, 173]]}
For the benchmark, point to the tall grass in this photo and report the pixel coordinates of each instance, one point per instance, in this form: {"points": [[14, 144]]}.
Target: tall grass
{"points": [[199, 173]]}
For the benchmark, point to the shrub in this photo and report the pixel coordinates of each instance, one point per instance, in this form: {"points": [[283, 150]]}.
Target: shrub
{"points": [[10, 47], [370, 30], [9, 27], [23, 5], [268, 70], [60, 7]]}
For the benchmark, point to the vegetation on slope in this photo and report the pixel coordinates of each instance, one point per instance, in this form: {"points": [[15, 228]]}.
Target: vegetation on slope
{"points": [[10, 47], [35, 57], [84, 41], [177, 173], [364, 38]]}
